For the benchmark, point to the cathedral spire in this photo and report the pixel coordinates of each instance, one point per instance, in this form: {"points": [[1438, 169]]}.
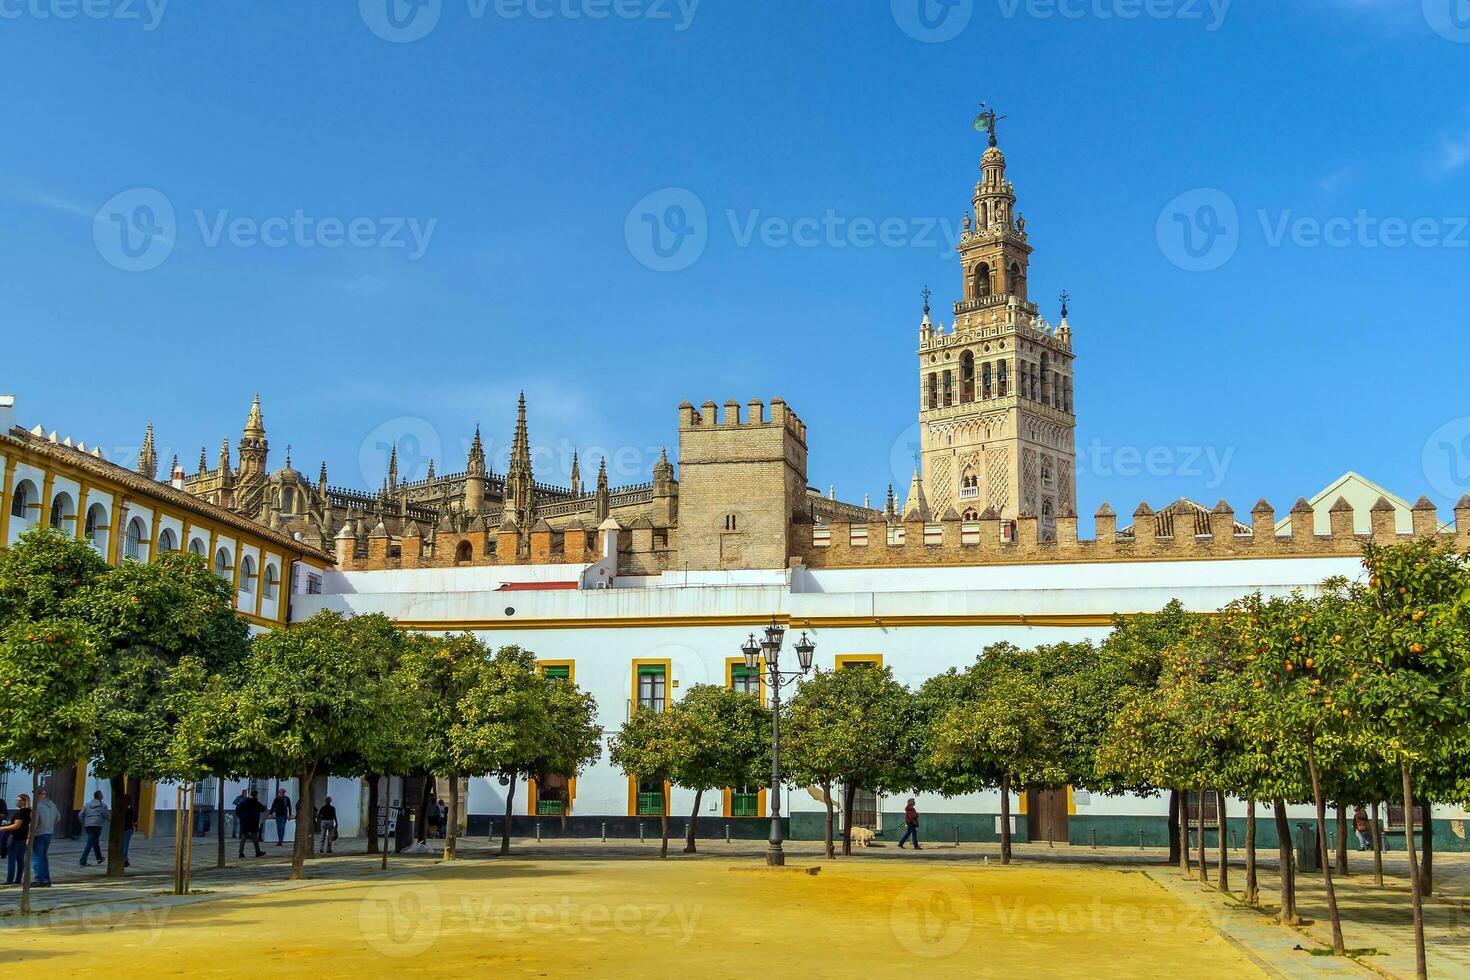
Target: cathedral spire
{"points": [[224, 459], [148, 456], [255, 422], [520, 486], [393, 466], [917, 506], [203, 460], [576, 476], [476, 465]]}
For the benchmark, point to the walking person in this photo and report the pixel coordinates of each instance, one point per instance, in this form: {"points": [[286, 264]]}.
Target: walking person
{"points": [[281, 812], [46, 818], [130, 824], [94, 816], [431, 815], [1362, 827], [4, 835], [911, 824], [326, 819], [16, 828], [240, 797], [248, 812]]}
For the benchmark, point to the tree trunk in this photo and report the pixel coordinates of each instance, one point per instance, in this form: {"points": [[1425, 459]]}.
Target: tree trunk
{"points": [[1184, 833], [304, 805], [1288, 916], [421, 821], [827, 830], [1173, 826], [1338, 947], [1426, 867], [219, 832], [510, 795], [1204, 869], [1342, 836], [118, 786], [689, 847], [848, 793], [1252, 894], [1377, 849], [372, 813], [1005, 818], [451, 832], [387, 804], [1417, 894], [663, 829], [1222, 879]]}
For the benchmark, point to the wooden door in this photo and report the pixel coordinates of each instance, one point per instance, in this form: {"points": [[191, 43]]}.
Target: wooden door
{"points": [[1046, 815]]}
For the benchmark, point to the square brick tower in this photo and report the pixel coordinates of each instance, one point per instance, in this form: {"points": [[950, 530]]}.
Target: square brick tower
{"points": [[995, 391], [740, 483]]}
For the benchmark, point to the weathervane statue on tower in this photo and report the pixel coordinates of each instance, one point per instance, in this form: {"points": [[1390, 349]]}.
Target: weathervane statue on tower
{"points": [[986, 121]]}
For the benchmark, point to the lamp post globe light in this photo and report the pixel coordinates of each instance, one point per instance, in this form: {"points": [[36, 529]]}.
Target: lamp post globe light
{"points": [[770, 646]]}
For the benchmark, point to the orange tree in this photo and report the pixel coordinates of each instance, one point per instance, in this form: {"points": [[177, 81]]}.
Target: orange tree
{"points": [[1127, 667], [1414, 644], [1299, 659], [1001, 730]]}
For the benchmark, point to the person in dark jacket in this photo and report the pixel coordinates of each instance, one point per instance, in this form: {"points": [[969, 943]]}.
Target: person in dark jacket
{"points": [[4, 836], [281, 812], [326, 819], [18, 827], [249, 811], [911, 824]]}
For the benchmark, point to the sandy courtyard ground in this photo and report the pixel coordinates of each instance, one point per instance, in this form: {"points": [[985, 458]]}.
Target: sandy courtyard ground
{"points": [[706, 917]]}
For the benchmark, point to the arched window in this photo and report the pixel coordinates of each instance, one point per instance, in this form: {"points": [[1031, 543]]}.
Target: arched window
{"points": [[222, 563], [196, 547], [167, 541], [21, 500], [1048, 473], [1013, 279], [288, 500], [986, 377], [95, 528], [247, 574], [933, 391], [134, 545], [1067, 393], [1045, 379], [1002, 383], [969, 484], [1046, 511], [981, 281], [62, 511], [948, 388], [464, 553], [272, 581], [971, 515], [967, 376]]}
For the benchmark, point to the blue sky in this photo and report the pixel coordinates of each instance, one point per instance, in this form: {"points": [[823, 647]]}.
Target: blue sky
{"points": [[388, 237]]}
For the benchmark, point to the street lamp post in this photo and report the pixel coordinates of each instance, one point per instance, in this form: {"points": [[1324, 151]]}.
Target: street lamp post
{"points": [[771, 647]]}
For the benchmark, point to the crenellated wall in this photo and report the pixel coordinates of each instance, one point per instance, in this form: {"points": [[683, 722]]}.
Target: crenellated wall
{"points": [[955, 542]]}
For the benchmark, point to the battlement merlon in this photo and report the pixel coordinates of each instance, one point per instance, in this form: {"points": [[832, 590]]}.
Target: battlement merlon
{"points": [[708, 417]]}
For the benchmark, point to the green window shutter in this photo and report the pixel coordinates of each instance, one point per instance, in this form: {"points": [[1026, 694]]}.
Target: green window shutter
{"points": [[655, 670], [565, 673]]}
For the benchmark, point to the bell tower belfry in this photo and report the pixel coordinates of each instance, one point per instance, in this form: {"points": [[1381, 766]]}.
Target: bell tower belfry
{"points": [[997, 429]]}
